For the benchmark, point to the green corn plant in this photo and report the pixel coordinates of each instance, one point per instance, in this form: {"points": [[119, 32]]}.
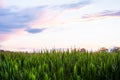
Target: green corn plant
{"points": [[75, 72]]}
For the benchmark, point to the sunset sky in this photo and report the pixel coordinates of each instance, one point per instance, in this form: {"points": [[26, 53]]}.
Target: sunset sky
{"points": [[36, 24]]}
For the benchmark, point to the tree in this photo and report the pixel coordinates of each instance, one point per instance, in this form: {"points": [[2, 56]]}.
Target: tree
{"points": [[102, 49], [115, 49]]}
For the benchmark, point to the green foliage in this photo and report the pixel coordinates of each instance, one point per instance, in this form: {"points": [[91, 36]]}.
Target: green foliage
{"points": [[60, 65]]}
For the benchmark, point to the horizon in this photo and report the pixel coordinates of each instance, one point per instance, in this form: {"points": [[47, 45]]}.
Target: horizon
{"points": [[45, 24], [54, 48]]}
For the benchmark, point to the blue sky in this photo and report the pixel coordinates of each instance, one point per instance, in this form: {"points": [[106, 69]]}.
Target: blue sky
{"points": [[59, 23]]}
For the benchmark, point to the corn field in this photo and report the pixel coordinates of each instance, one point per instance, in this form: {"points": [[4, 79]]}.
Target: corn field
{"points": [[60, 65]]}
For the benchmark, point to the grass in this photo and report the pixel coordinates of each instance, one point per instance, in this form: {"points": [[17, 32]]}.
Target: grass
{"points": [[57, 65]]}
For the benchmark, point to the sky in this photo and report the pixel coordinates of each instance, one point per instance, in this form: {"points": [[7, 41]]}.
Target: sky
{"points": [[46, 24]]}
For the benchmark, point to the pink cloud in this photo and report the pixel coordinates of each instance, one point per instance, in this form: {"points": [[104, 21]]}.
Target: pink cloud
{"points": [[46, 18], [50, 18], [7, 36], [2, 3]]}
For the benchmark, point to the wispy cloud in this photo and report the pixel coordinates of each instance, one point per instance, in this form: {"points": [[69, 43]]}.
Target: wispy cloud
{"points": [[104, 14], [75, 5], [111, 13], [54, 15]]}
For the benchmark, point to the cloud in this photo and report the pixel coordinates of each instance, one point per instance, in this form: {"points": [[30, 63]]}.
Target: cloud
{"points": [[111, 13], [12, 21], [2, 3], [33, 31], [102, 15], [13, 33], [16, 20], [74, 5]]}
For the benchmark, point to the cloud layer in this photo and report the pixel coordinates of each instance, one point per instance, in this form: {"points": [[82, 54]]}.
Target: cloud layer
{"points": [[16, 20], [61, 22], [13, 21]]}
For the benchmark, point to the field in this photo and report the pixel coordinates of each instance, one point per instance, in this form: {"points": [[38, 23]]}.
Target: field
{"points": [[58, 65]]}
